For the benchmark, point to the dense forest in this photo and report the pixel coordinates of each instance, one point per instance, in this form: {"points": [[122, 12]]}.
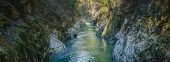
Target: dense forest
{"points": [[84, 31]]}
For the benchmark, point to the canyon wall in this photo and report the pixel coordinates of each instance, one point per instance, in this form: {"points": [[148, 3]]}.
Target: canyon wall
{"points": [[139, 29], [26, 25]]}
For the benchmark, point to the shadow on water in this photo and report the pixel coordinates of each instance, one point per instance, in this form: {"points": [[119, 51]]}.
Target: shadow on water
{"points": [[87, 47]]}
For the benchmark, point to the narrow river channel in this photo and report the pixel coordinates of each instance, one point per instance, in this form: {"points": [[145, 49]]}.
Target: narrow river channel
{"points": [[87, 47]]}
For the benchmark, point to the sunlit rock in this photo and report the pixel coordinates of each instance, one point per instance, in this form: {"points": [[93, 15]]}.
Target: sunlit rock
{"points": [[56, 46], [140, 46]]}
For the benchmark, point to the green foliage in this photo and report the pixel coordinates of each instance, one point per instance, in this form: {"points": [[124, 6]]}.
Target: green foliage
{"points": [[104, 10], [104, 2]]}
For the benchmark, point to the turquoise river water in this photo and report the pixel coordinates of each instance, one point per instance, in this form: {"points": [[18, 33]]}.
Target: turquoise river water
{"points": [[87, 47]]}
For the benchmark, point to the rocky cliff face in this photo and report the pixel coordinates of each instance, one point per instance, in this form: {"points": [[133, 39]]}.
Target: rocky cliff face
{"points": [[26, 25], [141, 45], [139, 29]]}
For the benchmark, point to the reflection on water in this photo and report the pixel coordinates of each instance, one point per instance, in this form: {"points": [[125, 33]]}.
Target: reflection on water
{"points": [[86, 48]]}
